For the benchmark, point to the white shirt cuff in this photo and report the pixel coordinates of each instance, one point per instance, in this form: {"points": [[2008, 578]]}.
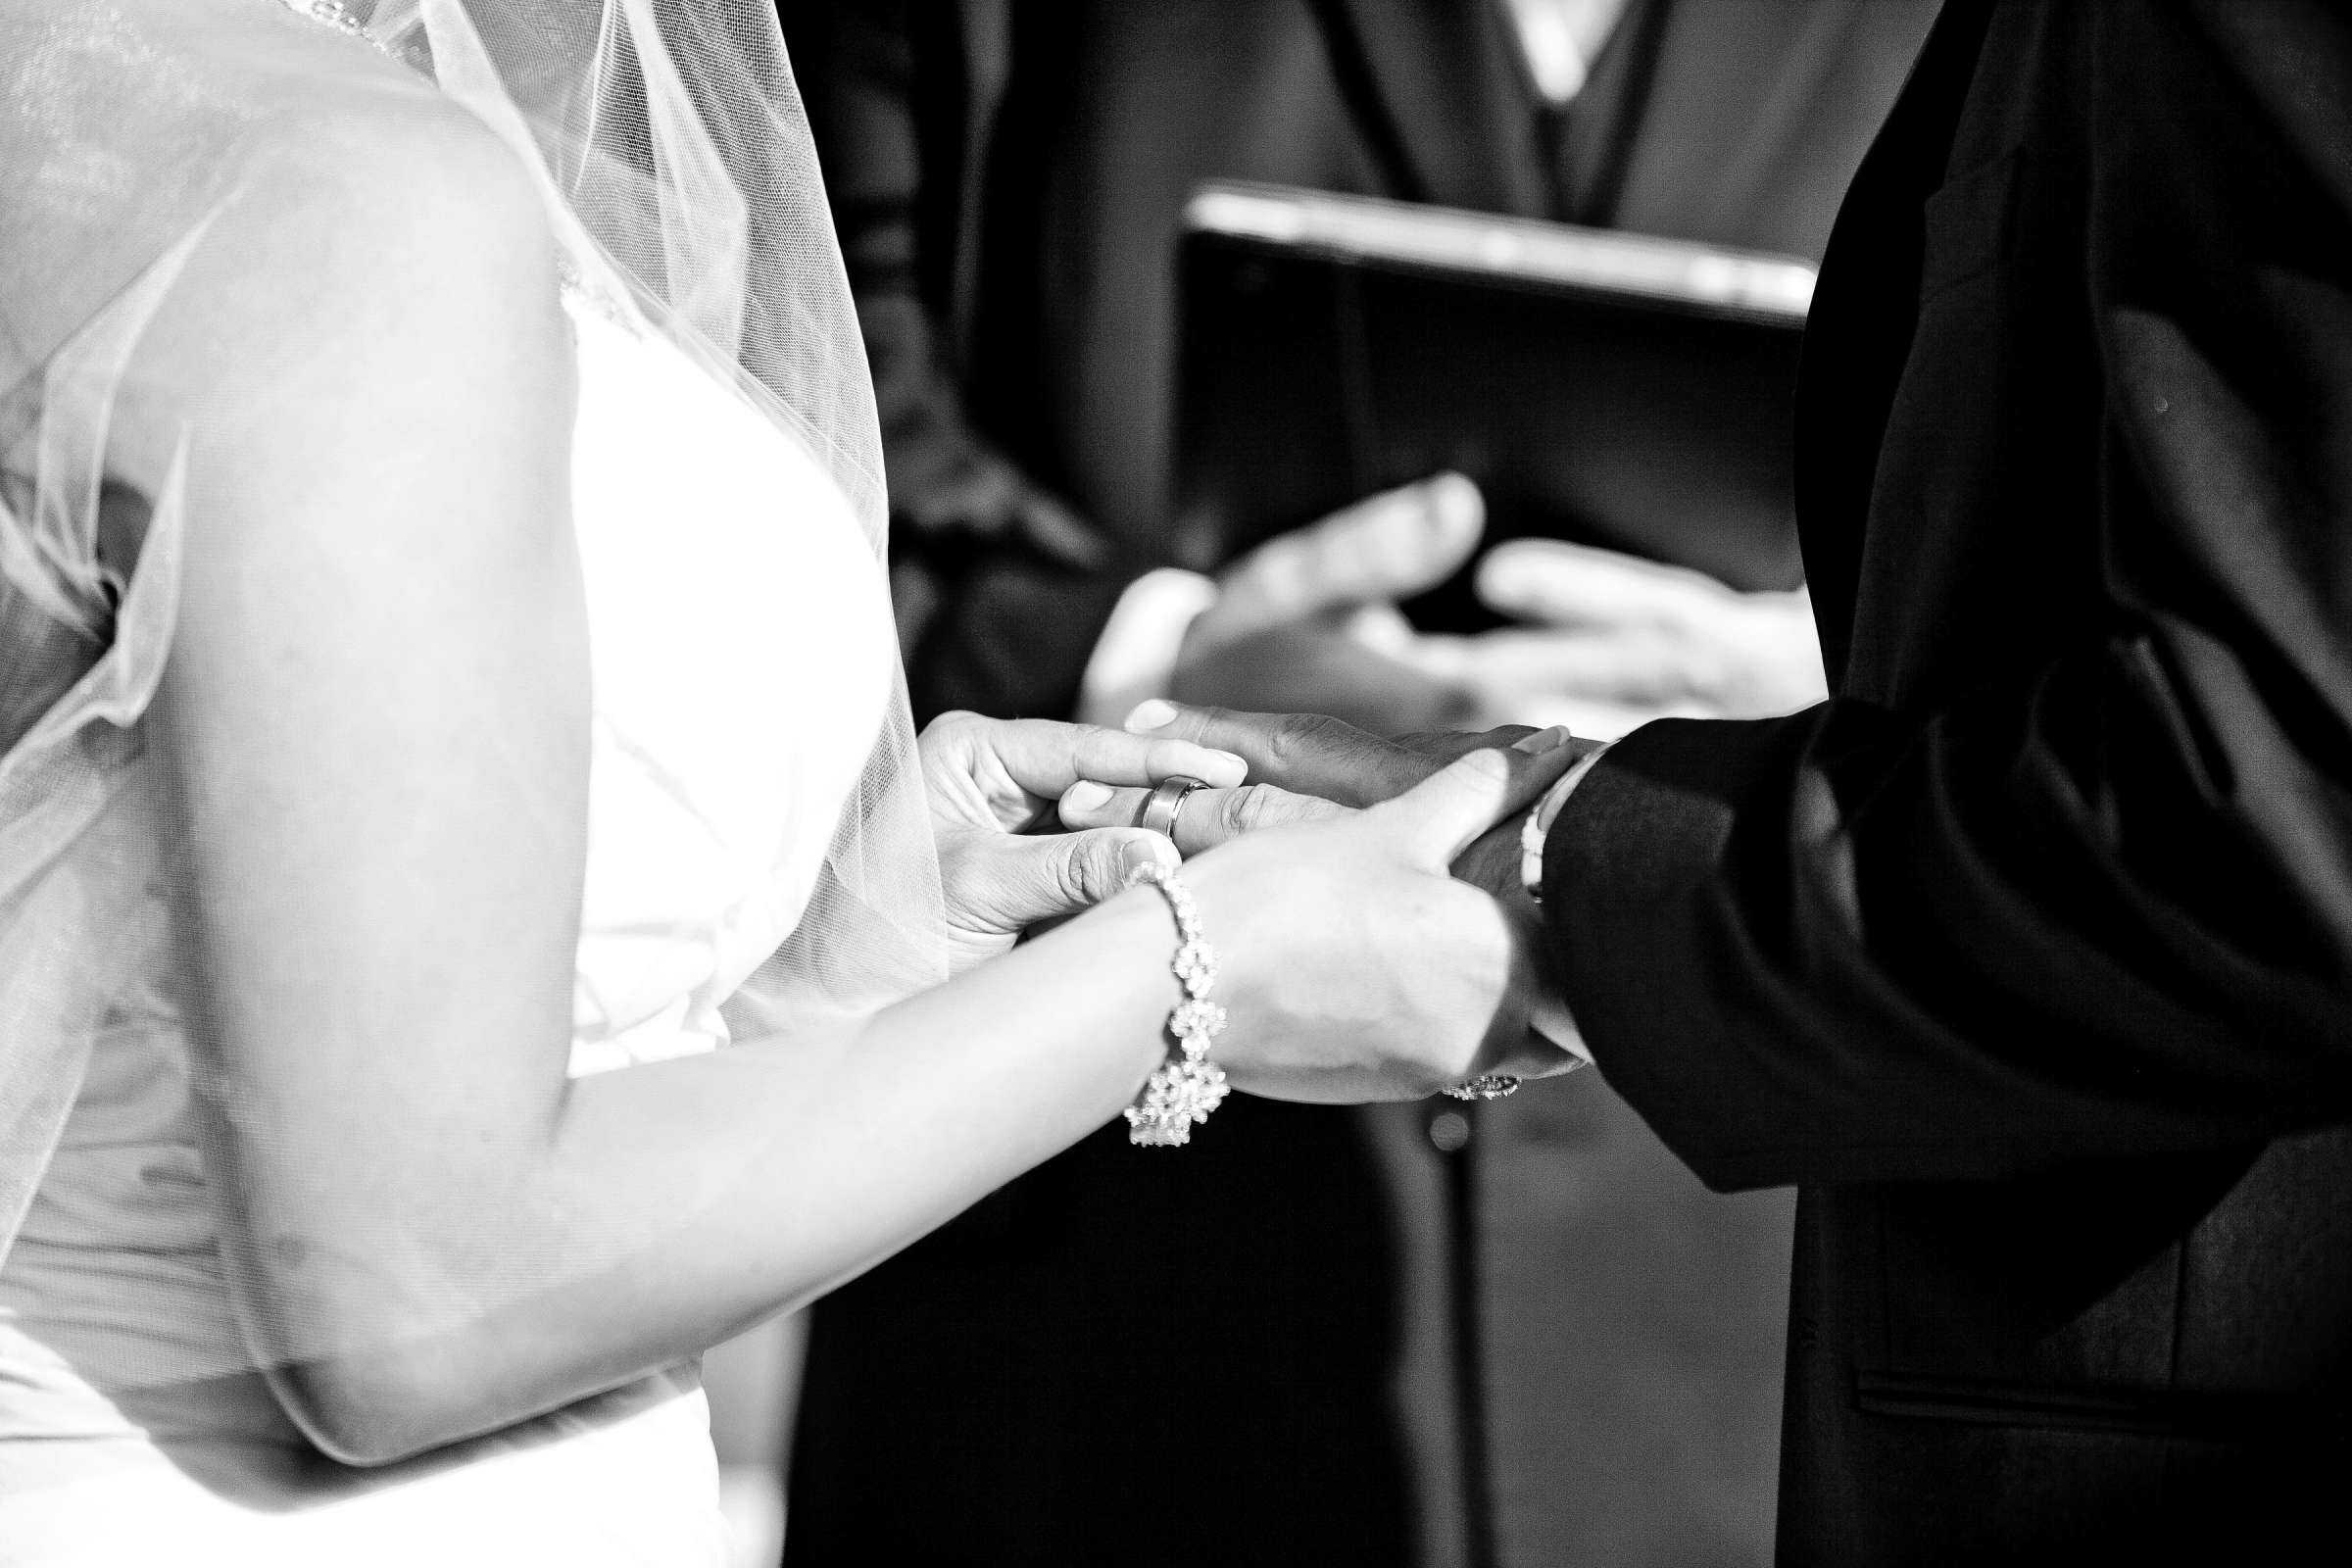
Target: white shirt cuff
{"points": [[1136, 656], [1546, 1015], [1536, 831]]}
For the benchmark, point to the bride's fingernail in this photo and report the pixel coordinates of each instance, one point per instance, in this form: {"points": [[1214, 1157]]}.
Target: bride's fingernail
{"points": [[1156, 713], [1086, 795], [1242, 763], [1542, 741]]}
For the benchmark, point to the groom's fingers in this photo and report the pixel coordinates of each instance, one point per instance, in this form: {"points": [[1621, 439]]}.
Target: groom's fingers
{"points": [[1208, 817], [1303, 753]]}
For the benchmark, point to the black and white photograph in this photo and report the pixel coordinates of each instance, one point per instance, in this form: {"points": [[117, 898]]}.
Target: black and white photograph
{"points": [[1175, 783]]}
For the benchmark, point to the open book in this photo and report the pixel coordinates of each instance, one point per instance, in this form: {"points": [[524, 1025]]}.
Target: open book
{"points": [[1610, 388]]}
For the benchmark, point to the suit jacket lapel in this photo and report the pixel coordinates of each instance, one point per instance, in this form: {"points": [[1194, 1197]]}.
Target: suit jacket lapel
{"points": [[1601, 123], [1865, 310], [1434, 100], [1733, 106]]}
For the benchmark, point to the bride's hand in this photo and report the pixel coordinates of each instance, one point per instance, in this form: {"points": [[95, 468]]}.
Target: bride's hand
{"points": [[1351, 964], [1003, 864]]}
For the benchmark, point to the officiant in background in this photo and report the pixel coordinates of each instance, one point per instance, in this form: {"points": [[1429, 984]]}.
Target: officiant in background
{"points": [[1422, 1334]]}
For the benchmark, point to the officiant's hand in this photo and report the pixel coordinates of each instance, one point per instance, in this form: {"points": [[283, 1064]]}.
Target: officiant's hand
{"points": [[992, 784], [1606, 642], [1354, 966], [1307, 621], [1603, 642]]}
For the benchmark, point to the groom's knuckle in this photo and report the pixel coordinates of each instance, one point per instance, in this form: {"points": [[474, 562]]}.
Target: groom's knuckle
{"points": [[1242, 809], [1301, 736], [1197, 725]]}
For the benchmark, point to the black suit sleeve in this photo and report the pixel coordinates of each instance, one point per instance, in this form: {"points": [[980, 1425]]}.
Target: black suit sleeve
{"points": [[1001, 590], [2098, 905]]}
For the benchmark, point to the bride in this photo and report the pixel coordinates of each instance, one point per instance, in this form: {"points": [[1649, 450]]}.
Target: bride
{"points": [[446, 688]]}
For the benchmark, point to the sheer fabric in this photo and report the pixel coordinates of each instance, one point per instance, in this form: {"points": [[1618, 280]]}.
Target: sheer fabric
{"points": [[133, 1426], [676, 171]]}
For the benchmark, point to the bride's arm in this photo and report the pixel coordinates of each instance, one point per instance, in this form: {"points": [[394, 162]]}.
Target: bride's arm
{"points": [[376, 719]]}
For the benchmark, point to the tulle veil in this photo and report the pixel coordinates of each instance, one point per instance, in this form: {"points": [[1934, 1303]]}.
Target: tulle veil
{"points": [[667, 143]]}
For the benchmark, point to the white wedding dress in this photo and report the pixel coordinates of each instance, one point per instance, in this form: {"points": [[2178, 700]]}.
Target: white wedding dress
{"points": [[741, 672]]}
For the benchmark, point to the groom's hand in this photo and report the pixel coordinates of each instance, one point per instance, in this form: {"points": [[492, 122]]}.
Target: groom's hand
{"points": [[1357, 966], [1212, 816], [1302, 767], [1307, 754]]}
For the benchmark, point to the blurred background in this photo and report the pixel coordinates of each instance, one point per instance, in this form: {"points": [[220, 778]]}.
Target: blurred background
{"points": [[1427, 363]]}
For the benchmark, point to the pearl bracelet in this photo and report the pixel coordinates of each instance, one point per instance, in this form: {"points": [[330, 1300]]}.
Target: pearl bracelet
{"points": [[1183, 1089]]}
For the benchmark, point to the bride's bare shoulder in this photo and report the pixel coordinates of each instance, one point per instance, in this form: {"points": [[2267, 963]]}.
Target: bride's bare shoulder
{"points": [[385, 181], [302, 154]]}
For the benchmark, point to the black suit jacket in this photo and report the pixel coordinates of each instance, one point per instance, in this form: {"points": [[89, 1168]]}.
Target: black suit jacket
{"points": [[2031, 951]]}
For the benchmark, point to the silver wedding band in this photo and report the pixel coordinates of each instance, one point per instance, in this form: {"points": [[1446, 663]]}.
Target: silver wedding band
{"points": [[1486, 1086], [1166, 804]]}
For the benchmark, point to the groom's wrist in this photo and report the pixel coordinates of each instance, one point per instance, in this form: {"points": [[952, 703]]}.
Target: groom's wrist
{"points": [[1536, 829], [1492, 863]]}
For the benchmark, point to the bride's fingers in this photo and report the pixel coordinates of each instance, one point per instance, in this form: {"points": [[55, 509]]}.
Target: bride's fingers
{"points": [[1114, 757], [1438, 818], [1209, 817], [1045, 758], [1016, 882]]}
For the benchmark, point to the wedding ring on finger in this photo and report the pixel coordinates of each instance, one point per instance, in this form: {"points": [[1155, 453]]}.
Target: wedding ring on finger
{"points": [[1485, 1086], [1166, 804]]}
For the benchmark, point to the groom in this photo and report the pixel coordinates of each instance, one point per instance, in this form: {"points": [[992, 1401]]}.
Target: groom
{"points": [[2029, 953]]}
